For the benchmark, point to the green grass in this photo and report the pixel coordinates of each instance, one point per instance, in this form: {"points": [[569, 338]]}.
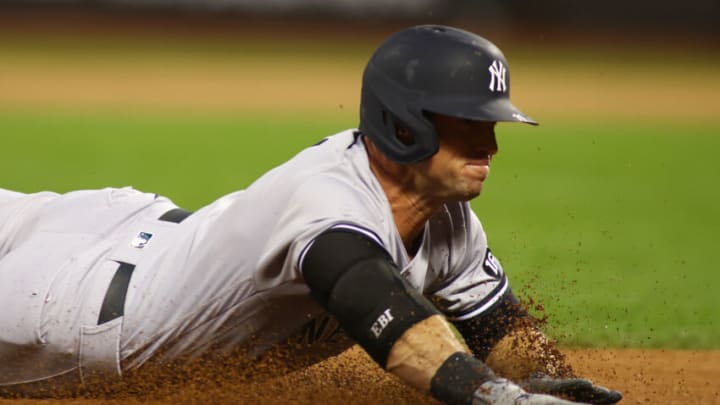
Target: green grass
{"points": [[613, 227], [610, 225], [191, 159]]}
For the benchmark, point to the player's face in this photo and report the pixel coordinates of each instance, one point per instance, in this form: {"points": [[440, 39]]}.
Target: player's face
{"points": [[459, 169]]}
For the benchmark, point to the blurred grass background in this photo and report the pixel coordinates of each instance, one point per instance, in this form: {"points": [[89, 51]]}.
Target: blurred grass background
{"points": [[606, 213]]}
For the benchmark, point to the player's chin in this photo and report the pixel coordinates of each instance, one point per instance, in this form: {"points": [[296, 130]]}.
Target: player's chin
{"points": [[475, 193], [472, 190]]}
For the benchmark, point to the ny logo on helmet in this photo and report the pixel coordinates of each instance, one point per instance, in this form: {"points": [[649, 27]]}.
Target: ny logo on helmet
{"points": [[497, 77]]}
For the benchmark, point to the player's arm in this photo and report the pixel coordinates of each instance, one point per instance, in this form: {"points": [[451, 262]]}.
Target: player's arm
{"points": [[507, 338], [357, 281]]}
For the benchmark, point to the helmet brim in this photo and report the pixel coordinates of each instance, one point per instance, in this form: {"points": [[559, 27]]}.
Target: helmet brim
{"points": [[499, 109]]}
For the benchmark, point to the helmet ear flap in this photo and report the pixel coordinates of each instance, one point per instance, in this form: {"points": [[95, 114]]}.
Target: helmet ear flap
{"points": [[402, 133], [398, 133], [400, 130]]}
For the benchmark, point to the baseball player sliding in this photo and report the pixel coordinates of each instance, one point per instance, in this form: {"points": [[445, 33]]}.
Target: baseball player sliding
{"points": [[367, 234]]}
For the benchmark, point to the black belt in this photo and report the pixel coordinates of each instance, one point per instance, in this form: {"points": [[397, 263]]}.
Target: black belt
{"points": [[113, 305], [176, 215]]}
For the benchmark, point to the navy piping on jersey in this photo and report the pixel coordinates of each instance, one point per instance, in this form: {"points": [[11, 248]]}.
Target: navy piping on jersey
{"points": [[352, 227], [485, 303], [356, 136], [370, 234]]}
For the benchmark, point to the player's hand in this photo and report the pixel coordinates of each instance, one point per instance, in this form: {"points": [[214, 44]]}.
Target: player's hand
{"points": [[504, 392], [578, 389]]}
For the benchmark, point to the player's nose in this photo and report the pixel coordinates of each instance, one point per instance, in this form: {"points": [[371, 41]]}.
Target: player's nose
{"points": [[486, 146]]}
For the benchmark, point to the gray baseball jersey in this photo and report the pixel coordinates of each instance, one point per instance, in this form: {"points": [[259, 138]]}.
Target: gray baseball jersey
{"points": [[226, 276]]}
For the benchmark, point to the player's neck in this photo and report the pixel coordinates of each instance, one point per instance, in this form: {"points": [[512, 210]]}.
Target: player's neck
{"points": [[410, 212], [411, 208]]}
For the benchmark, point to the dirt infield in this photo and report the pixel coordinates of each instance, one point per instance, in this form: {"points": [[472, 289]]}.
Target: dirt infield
{"points": [[317, 87], [644, 377]]}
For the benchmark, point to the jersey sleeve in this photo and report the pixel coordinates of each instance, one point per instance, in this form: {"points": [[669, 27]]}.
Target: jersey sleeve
{"points": [[473, 280], [321, 204]]}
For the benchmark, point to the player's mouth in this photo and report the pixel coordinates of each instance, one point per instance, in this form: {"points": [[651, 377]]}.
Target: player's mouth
{"points": [[478, 168], [478, 162], [483, 159]]}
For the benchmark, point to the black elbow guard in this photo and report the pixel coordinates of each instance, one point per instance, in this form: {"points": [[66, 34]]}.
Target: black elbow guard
{"points": [[357, 281]]}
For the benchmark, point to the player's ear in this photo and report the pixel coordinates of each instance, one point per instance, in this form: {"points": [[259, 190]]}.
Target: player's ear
{"points": [[404, 135]]}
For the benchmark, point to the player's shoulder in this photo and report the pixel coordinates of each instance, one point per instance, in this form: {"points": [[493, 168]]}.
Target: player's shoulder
{"points": [[335, 166], [335, 189], [329, 155], [332, 147]]}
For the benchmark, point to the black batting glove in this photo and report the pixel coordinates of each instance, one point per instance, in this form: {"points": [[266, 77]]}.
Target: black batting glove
{"points": [[576, 389]]}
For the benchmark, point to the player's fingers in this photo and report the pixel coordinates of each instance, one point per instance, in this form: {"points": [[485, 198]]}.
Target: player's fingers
{"points": [[578, 389], [596, 395], [549, 385]]}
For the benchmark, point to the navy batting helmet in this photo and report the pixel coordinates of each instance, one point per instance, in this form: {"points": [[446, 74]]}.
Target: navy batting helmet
{"points": [[432, 69]]}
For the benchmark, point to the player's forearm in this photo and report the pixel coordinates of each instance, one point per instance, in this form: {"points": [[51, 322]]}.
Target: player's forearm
{"points": [[421, 351], [398, 327], [484, 330], [524, 351], [506, 337], [430, 357]]}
